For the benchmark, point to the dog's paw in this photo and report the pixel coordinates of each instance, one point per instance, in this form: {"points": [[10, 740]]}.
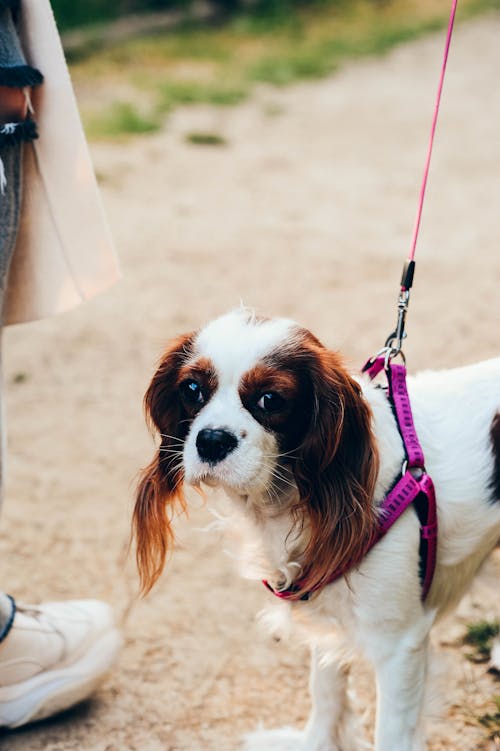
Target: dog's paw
{"points": [[283, 739], [287, 739]]}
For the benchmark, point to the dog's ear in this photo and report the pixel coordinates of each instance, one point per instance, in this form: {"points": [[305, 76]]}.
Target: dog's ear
{"points": [[160, 488], [335, 471]]}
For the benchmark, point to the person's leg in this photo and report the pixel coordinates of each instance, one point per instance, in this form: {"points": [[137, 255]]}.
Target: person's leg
{"points": [[55, 654], [10, 197], [15, 76]]}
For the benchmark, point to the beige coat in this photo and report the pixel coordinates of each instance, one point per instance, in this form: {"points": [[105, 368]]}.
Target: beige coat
{"points": [[64, 253]]}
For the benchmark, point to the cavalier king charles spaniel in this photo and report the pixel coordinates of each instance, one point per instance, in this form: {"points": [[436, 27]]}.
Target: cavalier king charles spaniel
{"points": [[306, 453]]}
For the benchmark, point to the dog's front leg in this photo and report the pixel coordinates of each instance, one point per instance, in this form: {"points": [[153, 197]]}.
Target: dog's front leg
{"points": [[401, 675], [331, 724]]}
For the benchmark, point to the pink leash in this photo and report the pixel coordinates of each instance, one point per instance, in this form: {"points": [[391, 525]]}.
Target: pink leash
{"points": [[414, 486], [433, 131]]}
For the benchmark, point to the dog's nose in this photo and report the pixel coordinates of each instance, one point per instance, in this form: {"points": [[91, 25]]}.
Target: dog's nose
{"points": [[214, 445]]}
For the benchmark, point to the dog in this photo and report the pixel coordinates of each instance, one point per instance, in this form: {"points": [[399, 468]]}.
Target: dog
{"points": [[306, 453]]}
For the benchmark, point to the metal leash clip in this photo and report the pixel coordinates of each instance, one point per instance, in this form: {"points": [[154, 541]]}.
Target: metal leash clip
{"points": [[394, 342]]}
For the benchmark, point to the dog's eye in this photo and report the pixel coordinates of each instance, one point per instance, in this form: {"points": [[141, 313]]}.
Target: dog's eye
{"points": [[191, 392], [271, 402]]}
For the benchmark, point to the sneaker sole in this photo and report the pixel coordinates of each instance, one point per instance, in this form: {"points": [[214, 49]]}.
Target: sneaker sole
{"points": [[54, 691]]}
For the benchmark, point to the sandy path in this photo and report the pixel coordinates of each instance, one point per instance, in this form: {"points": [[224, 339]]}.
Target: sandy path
{"points": [[306, 212]]}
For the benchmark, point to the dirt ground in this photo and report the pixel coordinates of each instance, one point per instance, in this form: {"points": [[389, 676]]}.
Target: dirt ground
{"points": [[306, 212]]}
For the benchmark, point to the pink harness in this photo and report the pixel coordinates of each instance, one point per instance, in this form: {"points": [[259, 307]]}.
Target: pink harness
{"points": [[414, 486]]}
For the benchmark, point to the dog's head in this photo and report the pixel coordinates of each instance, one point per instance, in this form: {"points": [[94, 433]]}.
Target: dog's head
{"points": [[249, 403]]}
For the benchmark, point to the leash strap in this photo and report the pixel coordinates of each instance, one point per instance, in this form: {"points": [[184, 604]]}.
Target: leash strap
{"points": [[394, 342], [431, 139]]}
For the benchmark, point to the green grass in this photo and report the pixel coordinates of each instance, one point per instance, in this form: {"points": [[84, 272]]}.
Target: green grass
{"points": [[294, 66], [121, 119], [221, 65], [205, 139], [491, 721], [174, 93], [480, 636]]}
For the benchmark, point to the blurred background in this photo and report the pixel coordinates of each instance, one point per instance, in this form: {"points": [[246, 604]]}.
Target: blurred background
{"points": [[143, 58]]}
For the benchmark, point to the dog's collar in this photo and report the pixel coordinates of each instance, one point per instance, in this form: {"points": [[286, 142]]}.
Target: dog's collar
{"points": [[413, 487]]}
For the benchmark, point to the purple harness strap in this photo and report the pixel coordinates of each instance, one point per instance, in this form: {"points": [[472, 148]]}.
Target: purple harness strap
{"points": [[414, 486]]}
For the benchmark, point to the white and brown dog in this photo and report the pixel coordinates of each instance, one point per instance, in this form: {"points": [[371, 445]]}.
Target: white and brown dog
{"points": [[307, 452]]}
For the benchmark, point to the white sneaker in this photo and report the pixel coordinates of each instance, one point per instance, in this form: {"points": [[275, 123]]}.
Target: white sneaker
{"points": [[54, 656]]}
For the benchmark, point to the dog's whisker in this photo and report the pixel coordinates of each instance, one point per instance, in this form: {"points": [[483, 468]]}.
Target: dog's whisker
{"points": [[171, 457], [272, 494], [282, 455], [280, 476], [172, 437], [283, 479]]}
